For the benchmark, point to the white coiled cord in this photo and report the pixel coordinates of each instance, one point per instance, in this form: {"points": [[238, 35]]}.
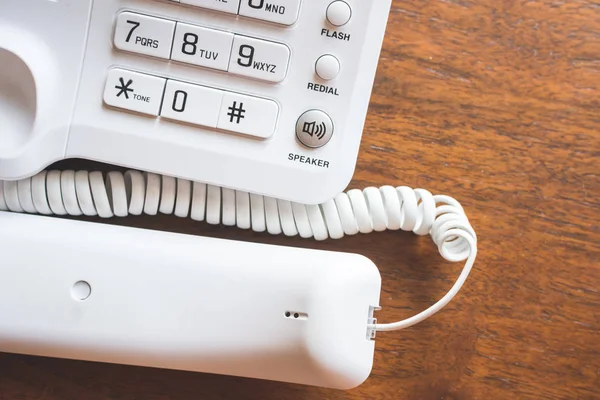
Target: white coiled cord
{"points": [[135, 193]]}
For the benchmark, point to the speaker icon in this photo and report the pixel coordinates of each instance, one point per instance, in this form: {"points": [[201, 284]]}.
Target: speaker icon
{"points": [[313, 129]]}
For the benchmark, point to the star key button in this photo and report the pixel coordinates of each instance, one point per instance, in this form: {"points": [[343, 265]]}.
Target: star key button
{"points": [[124, 88], [134, 91]]}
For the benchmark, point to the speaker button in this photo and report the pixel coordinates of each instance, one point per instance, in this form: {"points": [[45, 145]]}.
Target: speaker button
{"points": [[314, 129]]}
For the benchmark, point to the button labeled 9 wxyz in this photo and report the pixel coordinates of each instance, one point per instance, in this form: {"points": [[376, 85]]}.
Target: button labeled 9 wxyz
{"points": [[259, 59]]}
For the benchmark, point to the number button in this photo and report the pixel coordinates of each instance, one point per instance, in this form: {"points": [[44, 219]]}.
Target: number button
{"points": [[228, 6], [144, 35], [192, 104], [259, 59], [283, 12], [202, 46]]}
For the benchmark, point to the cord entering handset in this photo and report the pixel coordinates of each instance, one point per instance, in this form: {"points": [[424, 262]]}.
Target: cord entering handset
{"points": [[372, 323]]}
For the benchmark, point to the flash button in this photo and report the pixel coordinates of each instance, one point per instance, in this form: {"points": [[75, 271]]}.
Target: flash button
{"points": [[339, 13]]}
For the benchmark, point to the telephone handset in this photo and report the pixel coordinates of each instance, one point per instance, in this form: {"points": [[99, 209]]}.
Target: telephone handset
{"points": [[242, 112]]}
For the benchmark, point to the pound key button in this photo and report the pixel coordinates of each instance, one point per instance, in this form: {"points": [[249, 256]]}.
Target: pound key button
{"points": [[314, 129]]}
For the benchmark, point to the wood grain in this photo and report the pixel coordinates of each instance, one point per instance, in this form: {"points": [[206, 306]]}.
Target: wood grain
{"points": [[497, 103]]}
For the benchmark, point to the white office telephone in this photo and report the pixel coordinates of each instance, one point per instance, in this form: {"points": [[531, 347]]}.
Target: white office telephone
{"points": [[241, 112]]}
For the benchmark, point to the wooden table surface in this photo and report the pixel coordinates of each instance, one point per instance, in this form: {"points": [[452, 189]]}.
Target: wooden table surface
{"points": [[497, 103]]}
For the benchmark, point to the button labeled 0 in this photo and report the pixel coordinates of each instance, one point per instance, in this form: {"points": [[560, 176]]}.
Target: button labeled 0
{"points": [[193, 104]]}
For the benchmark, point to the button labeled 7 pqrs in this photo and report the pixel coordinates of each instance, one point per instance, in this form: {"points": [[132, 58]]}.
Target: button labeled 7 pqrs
{"points": [[144, 35]]}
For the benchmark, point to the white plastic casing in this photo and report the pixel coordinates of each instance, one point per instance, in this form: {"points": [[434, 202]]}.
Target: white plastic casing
{"points": [[182, 302], [68, 50]]}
